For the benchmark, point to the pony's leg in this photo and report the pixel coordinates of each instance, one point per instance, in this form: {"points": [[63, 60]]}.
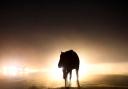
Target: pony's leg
{"points": [[65, 82], [65, 76], [77, 74], [70, 77]]}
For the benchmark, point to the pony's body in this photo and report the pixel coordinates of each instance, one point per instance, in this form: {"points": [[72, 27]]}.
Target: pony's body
{"points": [[69, 60]]}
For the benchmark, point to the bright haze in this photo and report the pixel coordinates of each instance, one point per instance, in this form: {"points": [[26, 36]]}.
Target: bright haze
{"points": [[33, 34]]}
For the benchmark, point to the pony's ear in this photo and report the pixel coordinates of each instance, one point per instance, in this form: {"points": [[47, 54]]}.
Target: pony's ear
{"points": [[62, 52]]}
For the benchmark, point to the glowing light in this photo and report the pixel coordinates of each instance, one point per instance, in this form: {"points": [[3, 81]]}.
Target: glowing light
{"points": [[10, 70], [84, 69], [56, 73], [29, 70]]}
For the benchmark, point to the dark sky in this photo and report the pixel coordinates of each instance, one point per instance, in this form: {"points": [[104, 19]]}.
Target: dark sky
{"points": [[36, 31]]}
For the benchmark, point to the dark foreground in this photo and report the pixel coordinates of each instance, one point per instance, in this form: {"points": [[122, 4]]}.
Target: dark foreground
{"points": [[34, 87], [98, 82]]}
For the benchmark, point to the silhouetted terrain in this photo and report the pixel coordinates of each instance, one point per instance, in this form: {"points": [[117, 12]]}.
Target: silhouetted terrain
{"points": [[99, 82], [108, 80]]}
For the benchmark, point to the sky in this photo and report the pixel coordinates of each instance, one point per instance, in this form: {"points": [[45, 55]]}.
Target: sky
{"points": [[34, 33]]}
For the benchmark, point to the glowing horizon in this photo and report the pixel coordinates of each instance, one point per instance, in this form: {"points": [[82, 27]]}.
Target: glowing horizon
{"points": [[55, 73], [15, 68]]}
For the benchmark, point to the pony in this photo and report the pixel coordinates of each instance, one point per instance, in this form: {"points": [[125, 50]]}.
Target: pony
{"points": [[69, 60]]}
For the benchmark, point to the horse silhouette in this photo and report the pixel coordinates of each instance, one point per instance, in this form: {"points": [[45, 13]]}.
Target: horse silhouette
{"points": [[69, 60]]}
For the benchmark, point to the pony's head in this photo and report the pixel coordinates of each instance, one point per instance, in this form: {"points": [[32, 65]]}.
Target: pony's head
{"points": [[60, 64]]}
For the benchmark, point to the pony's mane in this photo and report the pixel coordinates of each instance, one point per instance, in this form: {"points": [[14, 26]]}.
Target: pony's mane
{"points": [[69, 51]]}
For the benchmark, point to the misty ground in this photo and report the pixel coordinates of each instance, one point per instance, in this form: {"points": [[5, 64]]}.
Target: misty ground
{"points": [[99, 82], [82, 88]]}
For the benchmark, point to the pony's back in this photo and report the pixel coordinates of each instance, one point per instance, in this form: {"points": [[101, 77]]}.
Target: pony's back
{"points": [[69, 59]]}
